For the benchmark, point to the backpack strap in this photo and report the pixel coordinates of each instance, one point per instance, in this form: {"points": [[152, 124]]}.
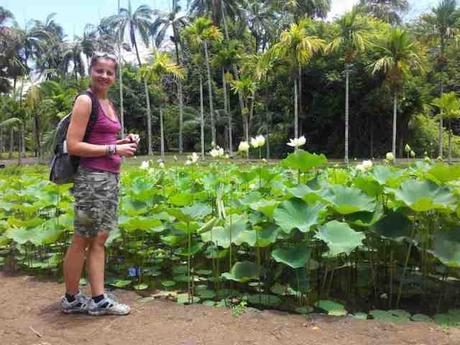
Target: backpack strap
{"points": [[94, 113]]}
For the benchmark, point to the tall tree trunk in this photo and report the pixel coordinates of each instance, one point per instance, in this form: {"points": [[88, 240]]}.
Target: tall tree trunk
{"points": [[120, 77], [201, 117], [395, 118], [181, 115], [20, 132], [37, 136], [227, 111], [347, 83], [162, 136], [267, 139], [372, 138], [300, 99], [450, 141], [441, 124], [179, 85], [296, 111], [211, 105], [147, 101], [1, 142], [10, 154], [149, 119]]}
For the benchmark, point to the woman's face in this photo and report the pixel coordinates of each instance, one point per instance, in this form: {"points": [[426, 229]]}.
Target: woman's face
{"points": [[103, 73]]}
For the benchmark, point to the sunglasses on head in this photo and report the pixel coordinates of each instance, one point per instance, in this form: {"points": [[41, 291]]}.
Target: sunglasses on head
{"points": [[105, 55]]}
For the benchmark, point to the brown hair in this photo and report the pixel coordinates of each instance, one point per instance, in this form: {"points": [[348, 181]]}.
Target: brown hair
{"points": [[102, 55]]}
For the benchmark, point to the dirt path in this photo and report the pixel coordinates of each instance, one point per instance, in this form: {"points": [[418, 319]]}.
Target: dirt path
{"points": [[29, 315]]}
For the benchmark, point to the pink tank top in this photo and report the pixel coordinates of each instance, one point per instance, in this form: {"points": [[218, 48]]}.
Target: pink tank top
{"points": [[104, 132]]}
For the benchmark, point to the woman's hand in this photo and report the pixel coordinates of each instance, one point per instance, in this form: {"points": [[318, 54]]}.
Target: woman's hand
{"points": [[130, 138], [126, 150]]}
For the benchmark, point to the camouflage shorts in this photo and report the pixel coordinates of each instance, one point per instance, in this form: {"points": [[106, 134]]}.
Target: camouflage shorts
{"points": [[96, 201]]}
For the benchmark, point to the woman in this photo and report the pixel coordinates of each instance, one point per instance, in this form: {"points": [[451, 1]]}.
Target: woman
{"points": [[95, 190]]}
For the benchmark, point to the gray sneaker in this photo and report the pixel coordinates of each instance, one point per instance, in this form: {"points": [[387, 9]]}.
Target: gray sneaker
{"points": [[108, 306], [79, 305]]}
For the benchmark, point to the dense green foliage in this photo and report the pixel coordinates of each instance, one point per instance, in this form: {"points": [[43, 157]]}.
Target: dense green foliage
{"points": [[262, 65], [292, 235]]}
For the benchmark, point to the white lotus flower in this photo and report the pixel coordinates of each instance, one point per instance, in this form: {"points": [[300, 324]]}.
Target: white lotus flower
{"points": [[243, 146], [258, 141], [297, 142], [407, 148], [367, 164], [412, 154], [193, 158], [217, 152], [144, 165], [161, 165], [390, 157], [364, 166]]}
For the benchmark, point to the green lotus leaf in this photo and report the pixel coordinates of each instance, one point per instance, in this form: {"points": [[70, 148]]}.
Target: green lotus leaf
{"points": [[421, 318], [48, 233], [422, 196], [303, 161], [332, 308], [267, 234], [181, 199], [395, 226], [189, 213], [141, 223], [446, 247], [386, 176], [339, 237], [304, 192], [296, 213], [347, 200], [234, 231], [442, 172], [368, 185], [264, 299], [267, 207], [396, 316], [19, 235], [120, 283], [243, 272], [294, 256]]}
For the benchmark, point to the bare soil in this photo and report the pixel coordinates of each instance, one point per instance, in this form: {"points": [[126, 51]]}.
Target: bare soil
{"points": [[30, 315]]}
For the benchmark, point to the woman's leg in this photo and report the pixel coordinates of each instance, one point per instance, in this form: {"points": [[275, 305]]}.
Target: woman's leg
{"points": [[96, 263], [73, 263]]}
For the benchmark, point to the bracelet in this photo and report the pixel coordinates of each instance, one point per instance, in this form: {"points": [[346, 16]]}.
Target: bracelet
{"points": [[111, 150]]}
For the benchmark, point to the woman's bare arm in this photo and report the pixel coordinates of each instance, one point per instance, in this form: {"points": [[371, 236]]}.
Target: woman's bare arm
{"points": [[77, 127], [76, 146]]}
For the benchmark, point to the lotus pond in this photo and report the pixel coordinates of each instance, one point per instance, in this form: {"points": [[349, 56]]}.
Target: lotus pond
{"points": [[374, 241]]}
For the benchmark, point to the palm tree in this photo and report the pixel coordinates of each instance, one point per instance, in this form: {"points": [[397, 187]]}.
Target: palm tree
{"points": [[160, 67], [297, 47], [73, 56], [388, 11], [349, 41], [303, 8], [227, 55], [201, 32], [444, 20], [137, 22], [174, 20], [449, 106], [397, 56]]}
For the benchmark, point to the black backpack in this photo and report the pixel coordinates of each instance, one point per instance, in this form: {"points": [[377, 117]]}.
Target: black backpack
{"points": [[64, 166]]}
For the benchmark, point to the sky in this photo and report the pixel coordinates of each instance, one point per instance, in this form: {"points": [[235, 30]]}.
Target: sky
{"points": [[74, 14]]}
